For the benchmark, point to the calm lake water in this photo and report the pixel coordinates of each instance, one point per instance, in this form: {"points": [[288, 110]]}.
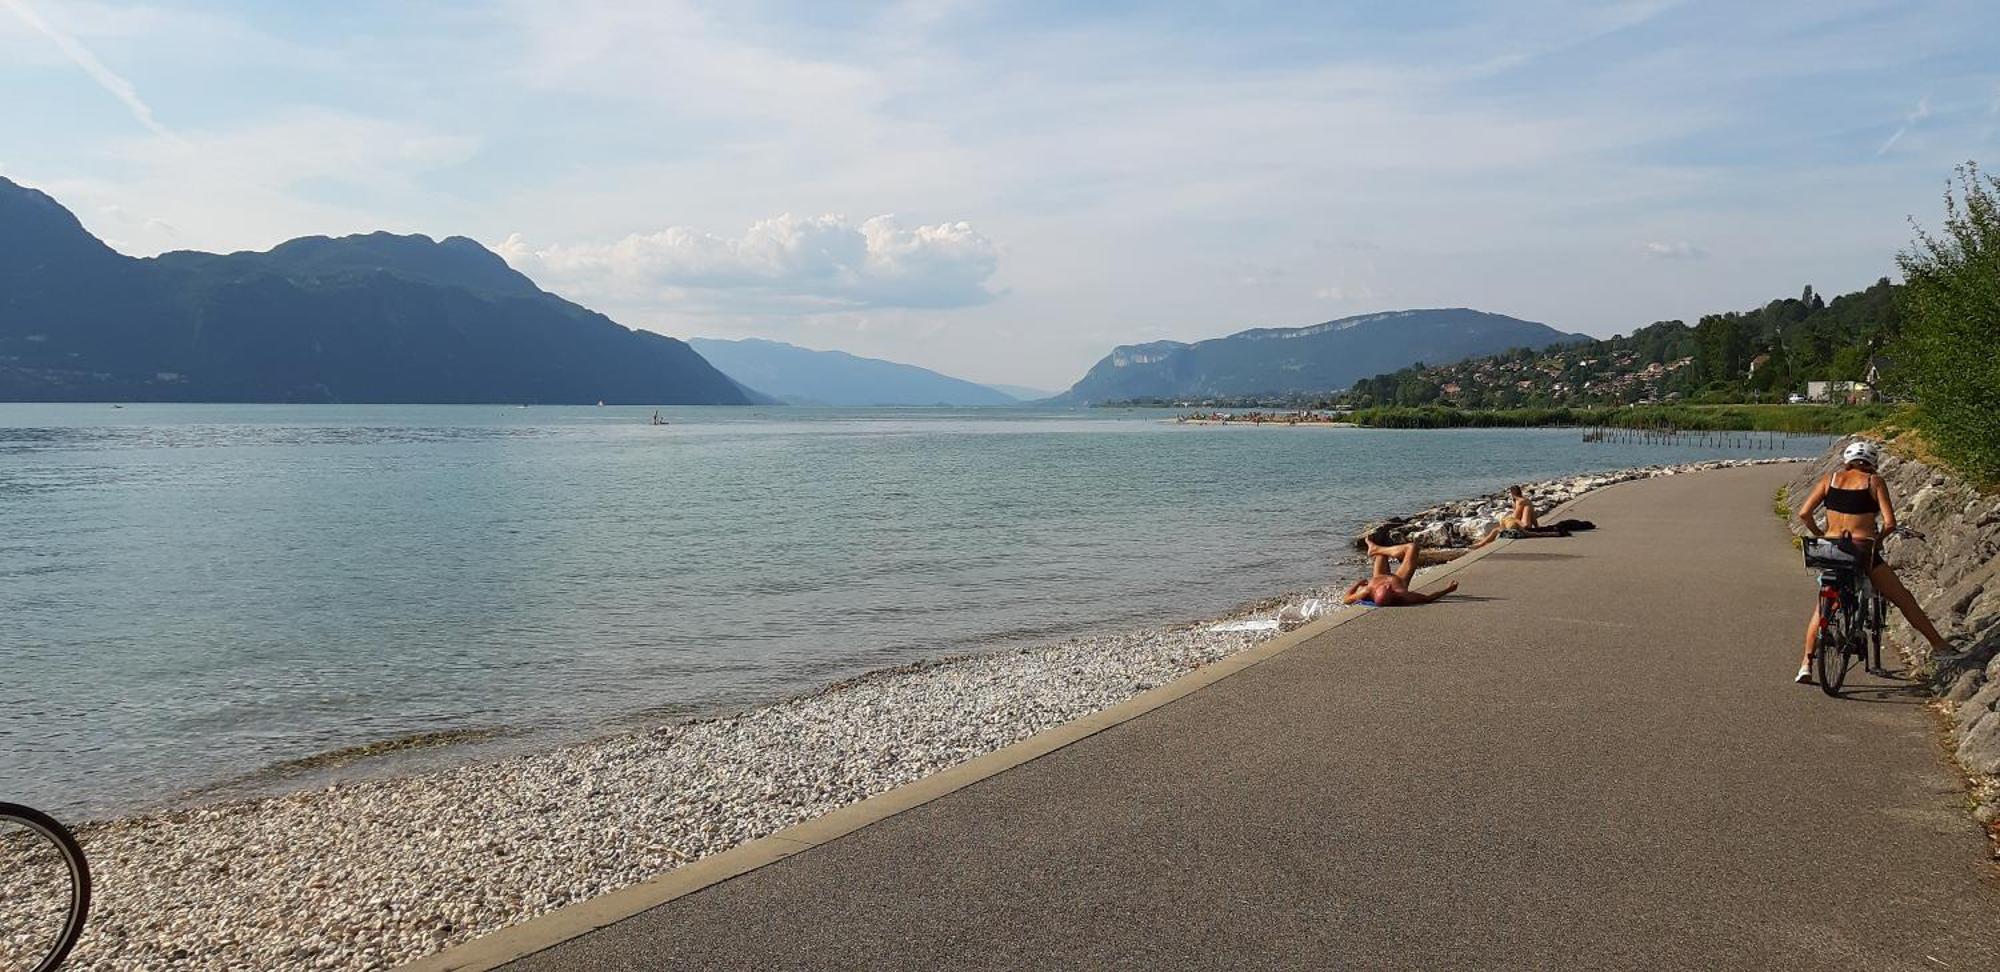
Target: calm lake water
{"points": [[190, 594]]}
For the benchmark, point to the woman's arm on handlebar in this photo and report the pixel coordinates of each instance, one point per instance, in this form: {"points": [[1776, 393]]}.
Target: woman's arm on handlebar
{"points": [[1888, 507], [1813, 500]]}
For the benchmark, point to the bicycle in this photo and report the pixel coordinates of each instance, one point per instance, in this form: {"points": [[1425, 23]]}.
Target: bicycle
{"points": [[44, 890], [1851, 611]]}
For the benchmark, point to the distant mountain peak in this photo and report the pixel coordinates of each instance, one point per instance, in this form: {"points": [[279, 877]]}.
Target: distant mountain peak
{"points": [[456, 261], [372, 317], [36, 231], [1316, 358], [808, 377]]}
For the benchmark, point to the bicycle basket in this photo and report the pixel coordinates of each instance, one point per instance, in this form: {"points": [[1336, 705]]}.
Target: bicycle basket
{"points": [[1827, 553]]}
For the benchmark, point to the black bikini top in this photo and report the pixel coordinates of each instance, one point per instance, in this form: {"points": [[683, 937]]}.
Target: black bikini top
{"points": [[1853, 502]]}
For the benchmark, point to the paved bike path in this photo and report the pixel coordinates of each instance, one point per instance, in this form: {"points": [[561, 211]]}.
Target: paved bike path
{"points": [[1595, 759]]}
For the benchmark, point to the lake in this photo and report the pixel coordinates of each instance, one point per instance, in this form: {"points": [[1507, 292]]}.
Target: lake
{"points": [[192, 594]]}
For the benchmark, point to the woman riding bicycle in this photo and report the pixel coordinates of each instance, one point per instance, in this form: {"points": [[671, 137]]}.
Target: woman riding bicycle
{"points": [[1858, 507]]}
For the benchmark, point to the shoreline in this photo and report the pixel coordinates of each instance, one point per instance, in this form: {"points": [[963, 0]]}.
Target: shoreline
{"points": [[1272, 423], [375, 872]]}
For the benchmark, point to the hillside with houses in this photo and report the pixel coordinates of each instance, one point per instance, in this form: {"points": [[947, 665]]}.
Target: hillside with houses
{"points": [[1802, 346]]}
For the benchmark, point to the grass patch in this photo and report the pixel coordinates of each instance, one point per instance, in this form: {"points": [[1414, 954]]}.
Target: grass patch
{"points": [[1900, 435], [1781, 507]]}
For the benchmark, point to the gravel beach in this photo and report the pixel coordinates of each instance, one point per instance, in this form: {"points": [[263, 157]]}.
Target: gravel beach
{"points": [[366, 875]]}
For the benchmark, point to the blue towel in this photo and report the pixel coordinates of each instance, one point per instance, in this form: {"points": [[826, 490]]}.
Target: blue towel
{"points": [[1364, 602]]}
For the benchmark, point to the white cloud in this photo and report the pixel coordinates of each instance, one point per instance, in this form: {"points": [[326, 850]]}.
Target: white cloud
{"points": [[1149, 169], [106, 78], [786, 263], [1676, 250]]}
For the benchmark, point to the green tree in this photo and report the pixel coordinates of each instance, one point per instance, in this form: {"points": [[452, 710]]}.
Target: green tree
{"points": [[1722, 349], [1951, 325]]}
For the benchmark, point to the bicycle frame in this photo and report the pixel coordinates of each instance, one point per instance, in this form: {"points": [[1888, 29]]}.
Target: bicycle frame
{"points": [[1851, 615]]}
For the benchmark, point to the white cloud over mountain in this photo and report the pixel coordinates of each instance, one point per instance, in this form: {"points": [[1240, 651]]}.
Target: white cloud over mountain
{"points": [[787, 262]]}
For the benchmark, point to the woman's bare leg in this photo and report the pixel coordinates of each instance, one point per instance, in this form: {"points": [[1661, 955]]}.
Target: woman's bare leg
{"points": [[1407, 553], [1885, 580], [1812, 638]]}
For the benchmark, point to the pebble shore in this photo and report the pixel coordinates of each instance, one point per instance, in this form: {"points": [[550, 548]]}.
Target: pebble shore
{"points": [[371, 874]]}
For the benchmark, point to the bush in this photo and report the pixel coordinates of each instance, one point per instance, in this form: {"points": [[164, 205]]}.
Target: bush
{"points": [[1951, 327]]}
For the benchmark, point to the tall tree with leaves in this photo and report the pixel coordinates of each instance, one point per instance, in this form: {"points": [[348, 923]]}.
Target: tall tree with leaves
{"points": [[1951, 325]]}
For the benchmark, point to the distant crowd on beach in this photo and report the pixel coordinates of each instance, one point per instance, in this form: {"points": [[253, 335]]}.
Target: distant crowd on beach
{"points": [[1307, 417]]}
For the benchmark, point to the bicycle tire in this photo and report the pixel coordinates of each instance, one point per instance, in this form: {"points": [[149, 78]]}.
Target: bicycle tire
{"points": [[1875, 619], [79, 874], [1832, 657]]}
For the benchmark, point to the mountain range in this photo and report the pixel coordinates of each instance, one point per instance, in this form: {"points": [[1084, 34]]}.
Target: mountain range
{"points": [[802, 376], [369, 318], [1304, 360]]}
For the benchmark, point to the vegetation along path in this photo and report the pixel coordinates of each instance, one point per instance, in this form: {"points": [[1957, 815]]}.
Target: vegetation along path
{"points": [[1595, 759]]}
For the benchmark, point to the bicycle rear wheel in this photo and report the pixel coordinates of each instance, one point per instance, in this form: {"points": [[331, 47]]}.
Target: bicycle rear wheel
{"points": [[1832, 657], [44, 890], [1874, 635]]}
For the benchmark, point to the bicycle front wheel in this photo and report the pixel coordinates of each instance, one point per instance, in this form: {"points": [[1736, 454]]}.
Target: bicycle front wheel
{"points": [[1831, 659], [44, 890]]}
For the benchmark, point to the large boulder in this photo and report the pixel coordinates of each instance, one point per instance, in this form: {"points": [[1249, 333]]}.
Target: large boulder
{"points": [[1979, 751], [1963, 687], [1977, 706]]}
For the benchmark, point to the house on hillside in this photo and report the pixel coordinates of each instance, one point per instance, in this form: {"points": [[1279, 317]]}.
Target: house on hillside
{"points": [[1879, 367], [1758, 362], [1841, 392]]}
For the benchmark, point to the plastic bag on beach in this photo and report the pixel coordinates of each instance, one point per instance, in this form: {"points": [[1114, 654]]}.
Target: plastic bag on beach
{"points": [[1296, 614]]}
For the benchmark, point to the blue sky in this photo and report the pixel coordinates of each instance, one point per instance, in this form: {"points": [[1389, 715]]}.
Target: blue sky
{"points": [[1005, 191]]}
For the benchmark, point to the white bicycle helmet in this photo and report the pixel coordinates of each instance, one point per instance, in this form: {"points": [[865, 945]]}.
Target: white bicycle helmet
{"points": [[1862, 450]]}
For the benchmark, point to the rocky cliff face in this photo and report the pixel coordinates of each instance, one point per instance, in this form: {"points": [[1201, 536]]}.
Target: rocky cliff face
{"points": [[1956, 576]]}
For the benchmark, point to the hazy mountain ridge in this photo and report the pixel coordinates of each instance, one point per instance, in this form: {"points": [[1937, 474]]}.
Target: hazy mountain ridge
{"points": [[1023, 393], [804, 376], [1315, 358], [369, 318]]}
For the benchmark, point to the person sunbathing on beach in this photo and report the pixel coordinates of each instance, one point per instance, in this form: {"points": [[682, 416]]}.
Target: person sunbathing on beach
{"points": [[1520, 522], [1386, 588]]}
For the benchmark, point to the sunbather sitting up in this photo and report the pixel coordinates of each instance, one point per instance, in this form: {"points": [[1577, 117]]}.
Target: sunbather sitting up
{"points": [[1520, 522], [1386, 588]]}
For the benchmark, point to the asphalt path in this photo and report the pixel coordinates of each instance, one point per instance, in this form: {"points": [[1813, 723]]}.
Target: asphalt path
{"points": [[1594, 758]]}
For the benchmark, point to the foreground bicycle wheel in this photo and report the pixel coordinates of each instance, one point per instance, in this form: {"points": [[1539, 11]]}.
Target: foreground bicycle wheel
{"points": [[44, 890], [1831, 660]]}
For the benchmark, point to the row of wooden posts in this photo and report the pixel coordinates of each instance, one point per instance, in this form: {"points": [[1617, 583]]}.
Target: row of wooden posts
{"points": [[1771, 441]]}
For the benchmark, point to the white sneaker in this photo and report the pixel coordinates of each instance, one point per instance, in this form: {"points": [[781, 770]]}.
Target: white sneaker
{"points": [[1804, 676]]}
